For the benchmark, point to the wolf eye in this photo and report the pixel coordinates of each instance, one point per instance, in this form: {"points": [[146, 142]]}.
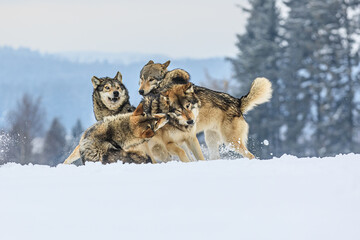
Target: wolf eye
{"points": [[117, 87], [107, 87], [188, 106], [151, 79]]}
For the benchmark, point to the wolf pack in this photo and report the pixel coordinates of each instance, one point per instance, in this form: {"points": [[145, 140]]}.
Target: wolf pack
{"points": [[165, 123]]}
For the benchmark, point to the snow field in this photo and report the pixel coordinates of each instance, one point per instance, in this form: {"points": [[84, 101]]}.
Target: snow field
{"points": [[282, 198]]}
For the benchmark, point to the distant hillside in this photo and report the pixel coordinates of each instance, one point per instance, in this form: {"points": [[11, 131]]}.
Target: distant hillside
{"points": [[65, 85]]}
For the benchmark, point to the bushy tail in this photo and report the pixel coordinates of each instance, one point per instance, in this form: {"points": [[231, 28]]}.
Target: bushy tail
{"points": [[178, 75], [75, 155], [260, 92]]}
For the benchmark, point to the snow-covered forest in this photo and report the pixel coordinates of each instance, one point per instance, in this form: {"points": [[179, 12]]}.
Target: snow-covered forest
{"points": [[311, 54]]}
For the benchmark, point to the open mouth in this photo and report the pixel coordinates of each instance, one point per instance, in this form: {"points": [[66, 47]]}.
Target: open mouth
{"points": [[113, 99]]}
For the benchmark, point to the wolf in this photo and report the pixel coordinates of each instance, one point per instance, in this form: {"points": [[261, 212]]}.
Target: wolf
{"points": [[182, 106], [155, 78], [221, 116], [110, 97], [120, 137]]}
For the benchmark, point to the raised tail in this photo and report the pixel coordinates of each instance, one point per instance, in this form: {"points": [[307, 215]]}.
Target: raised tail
{"points": [[260, 92], [75, 155]]}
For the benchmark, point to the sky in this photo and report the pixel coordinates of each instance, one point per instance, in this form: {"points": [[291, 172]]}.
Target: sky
{"points": [[179, 29]]}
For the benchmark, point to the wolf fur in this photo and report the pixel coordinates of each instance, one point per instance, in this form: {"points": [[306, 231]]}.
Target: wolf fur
{"points": [[110, 97], [182, 106], [120, 137], [155, 78], [221, 116]]}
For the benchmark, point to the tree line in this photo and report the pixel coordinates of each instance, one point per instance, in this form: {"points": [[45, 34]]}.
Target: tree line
{"points": [[25, 141], [311, 56]]}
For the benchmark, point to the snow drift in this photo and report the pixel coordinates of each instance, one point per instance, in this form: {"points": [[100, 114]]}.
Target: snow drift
{"points": [[282, 198]]}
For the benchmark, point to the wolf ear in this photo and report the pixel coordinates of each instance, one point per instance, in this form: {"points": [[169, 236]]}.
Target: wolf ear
{"points": [[95, 81], [118, 77], [188, 88], [139, 110], [166, 64], [150, 62]]}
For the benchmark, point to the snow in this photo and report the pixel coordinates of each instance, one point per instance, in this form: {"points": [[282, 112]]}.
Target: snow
{"points": [[281, 198]]}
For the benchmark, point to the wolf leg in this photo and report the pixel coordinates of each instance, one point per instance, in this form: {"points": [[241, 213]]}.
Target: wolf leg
{"points": [[194, 145], [235, 132], [241, 148], [185, 147], [173, 148], [161, 153], [149, 152], [212, 140]]}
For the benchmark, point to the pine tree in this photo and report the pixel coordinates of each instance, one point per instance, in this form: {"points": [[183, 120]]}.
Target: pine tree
{"points": [[259, 54], [319, 62], [350, 25], [55, 142], [297, 78]]}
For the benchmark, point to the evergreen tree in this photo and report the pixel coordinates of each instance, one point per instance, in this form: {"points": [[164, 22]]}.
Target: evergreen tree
{"points": [[296, 72], [258, 56], [349, 18], [318, 68], [55, 142]]}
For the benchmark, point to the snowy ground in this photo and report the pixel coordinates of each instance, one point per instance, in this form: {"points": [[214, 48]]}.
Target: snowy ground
{"points": [[286, 198]]}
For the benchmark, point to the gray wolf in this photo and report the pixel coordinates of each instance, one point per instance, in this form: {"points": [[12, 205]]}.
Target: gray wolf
{"points": [[120, 137], [155, 78], [221, 116], [110, 97], [182, 106]]}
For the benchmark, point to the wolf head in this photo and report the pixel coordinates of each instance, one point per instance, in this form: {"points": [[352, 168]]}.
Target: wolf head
{"points": [[145, 126], [112, 91], [183, 104], [151, 75]]}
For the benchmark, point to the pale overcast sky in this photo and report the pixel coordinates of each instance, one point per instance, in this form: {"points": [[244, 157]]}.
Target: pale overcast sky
{"points": [[186, 28]]}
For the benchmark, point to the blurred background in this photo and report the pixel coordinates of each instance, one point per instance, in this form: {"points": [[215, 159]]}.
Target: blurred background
{"points": [[309, 49]]}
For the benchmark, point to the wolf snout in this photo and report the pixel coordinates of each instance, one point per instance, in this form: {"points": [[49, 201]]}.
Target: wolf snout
{"points": [[116, 93], [141, 92], [190, 122]]}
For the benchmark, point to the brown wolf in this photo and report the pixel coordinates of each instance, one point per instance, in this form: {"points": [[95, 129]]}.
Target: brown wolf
{"points": [[120, 137], [182, 106], [110, 97], [221, 116]]}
